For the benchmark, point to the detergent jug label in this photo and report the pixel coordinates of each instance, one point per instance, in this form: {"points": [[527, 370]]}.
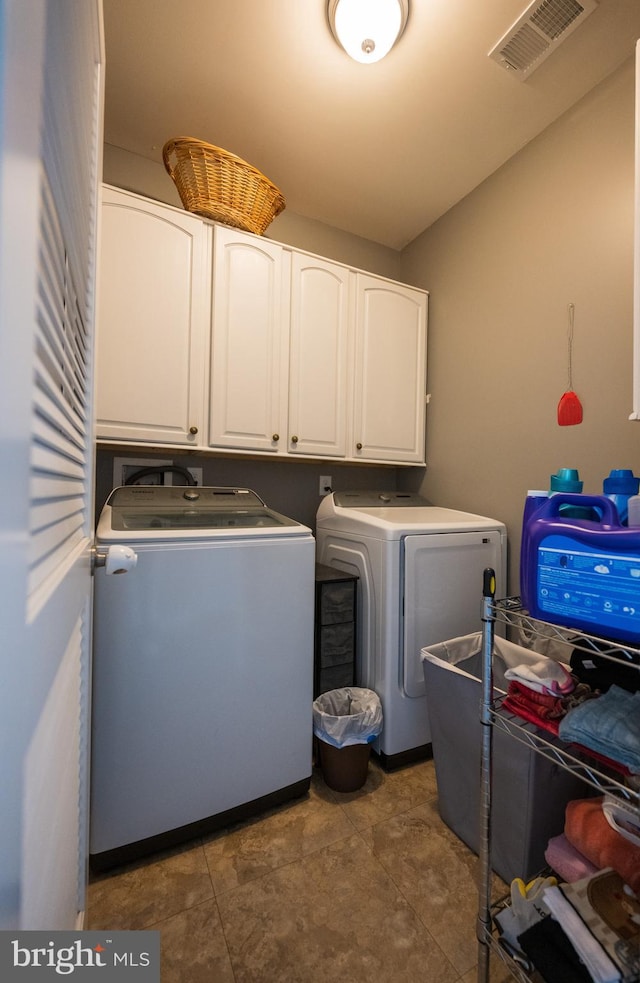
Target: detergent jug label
{"points": [[576, 584]]}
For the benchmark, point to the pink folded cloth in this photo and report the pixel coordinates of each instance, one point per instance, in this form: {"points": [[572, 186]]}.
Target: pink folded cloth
{"points": [[541, 703], [587, 829], [568, 863]]}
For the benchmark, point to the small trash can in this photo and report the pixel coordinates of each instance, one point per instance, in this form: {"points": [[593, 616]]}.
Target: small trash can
{"points": [[346, 721]]}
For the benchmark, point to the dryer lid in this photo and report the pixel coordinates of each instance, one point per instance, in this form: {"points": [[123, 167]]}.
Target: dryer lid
{"points": [[393, 520]]}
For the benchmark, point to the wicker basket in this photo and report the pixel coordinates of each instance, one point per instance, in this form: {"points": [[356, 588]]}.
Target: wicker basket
{"points": [[218, 185]]}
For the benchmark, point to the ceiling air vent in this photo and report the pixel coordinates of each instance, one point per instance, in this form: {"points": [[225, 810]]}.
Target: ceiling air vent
{"points": [[538, 32]]}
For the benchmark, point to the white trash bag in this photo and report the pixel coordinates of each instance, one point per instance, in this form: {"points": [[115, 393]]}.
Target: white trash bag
{"points": [[352, 715]]}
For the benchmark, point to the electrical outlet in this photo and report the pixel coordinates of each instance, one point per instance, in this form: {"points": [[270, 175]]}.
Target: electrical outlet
{"points": [[325, 484], [195, 473]]}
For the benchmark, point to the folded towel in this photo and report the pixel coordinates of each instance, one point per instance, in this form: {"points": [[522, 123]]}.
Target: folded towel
{"points": [[610, 725], [539, 708], [530, 714], [600, 967], [587, 829], [527, 711], [552, 954], [568, 863], [611, 912], [543, 676], [547, 706]]}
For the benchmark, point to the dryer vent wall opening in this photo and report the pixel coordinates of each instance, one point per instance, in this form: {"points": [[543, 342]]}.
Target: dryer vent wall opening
{"points": [[538, 32]]}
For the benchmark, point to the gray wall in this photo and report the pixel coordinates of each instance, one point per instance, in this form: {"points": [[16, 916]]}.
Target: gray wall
{"points": [[553, 226]]}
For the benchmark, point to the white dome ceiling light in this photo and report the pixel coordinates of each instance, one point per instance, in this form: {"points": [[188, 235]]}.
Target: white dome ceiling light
{"points": [[367, 29]]}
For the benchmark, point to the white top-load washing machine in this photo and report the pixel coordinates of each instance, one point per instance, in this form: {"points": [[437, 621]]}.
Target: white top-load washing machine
{"points": [[419, 571], [203, 666]]}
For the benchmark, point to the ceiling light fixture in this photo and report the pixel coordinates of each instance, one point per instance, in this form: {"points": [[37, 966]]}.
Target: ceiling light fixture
{"points": [[367, 29]]}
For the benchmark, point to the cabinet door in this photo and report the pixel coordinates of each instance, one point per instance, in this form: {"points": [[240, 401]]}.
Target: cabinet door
{"points": [[318, 357], [249, 342], [390, 371], [153, 319]]}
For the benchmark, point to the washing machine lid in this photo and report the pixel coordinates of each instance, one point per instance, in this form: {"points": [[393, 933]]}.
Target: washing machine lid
{"points": [[393, 515], [190, 512]]}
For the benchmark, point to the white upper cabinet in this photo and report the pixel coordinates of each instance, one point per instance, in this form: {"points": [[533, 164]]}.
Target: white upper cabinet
{"points": [[211, 337], [319, 357], [390, 372], [280, 343], [249, 347], [153, 321]]}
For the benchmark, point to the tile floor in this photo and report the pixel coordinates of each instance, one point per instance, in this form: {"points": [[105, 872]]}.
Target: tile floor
{"points": [[360, 887]]}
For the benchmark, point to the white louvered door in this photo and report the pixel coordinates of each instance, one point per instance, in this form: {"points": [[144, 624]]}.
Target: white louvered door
{"points": [[50, 145]]}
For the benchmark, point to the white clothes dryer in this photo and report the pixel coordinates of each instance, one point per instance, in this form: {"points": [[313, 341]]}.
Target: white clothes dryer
{"points": [[419, 571]]}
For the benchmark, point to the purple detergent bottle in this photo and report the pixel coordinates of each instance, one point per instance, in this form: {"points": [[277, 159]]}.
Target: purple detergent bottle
{"points": [[583, 573]]}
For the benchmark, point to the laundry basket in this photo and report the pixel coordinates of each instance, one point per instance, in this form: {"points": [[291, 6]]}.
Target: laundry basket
{"points": [[218, 185], [529, 792]]}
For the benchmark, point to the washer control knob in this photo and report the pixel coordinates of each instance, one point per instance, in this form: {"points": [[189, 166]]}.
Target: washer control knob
{"points": [[191, 495]]}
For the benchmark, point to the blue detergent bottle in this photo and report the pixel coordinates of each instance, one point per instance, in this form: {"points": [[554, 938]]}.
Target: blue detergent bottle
{"points": [[620, 486], [566, 480]]}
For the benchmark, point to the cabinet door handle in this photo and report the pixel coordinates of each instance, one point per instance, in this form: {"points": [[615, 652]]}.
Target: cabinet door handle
{"points": [[275, 437], [359, 446], [294, 440], [193, 430]]}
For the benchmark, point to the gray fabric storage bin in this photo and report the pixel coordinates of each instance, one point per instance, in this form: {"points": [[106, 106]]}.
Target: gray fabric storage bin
{"points": [[529, 792]]}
